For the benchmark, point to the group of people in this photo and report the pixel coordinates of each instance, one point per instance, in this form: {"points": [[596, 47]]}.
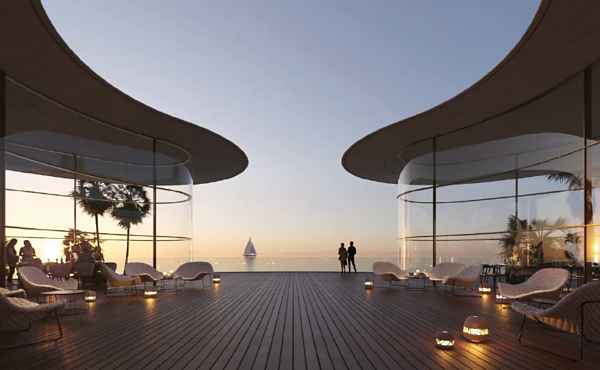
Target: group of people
{"points": [[346, 256], [26, 255]]}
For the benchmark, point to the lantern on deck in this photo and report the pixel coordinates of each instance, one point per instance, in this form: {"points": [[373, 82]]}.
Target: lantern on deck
{"points": [[151, 292], [475, 329], [485, 290], [444, 340], [216, 279], [90, 296], [368, 283]]}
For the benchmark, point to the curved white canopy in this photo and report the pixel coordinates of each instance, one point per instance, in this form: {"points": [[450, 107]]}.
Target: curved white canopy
{"points": [[54, 101], [536, 89]]}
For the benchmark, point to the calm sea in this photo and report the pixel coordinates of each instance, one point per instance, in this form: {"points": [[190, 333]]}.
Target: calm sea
{"points": [[262, 263]]}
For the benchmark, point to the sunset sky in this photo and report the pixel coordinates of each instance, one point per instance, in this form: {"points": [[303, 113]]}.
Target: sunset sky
{"points": [[294, 84]]}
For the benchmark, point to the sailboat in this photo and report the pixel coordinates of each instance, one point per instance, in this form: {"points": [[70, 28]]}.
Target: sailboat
{"points": [[249, 251]]}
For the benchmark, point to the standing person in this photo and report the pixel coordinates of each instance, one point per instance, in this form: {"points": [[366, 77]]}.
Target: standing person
{"points": [[351, 254], [343, 257], [27, 252], [11, 258]]}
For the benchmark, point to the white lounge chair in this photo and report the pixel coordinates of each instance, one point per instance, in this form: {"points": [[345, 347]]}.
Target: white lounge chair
{"points": [[117, 283], [144, 271], [444, 270], [468, 278], [545, 283], [389, 272], [18, 314], [193, 271], [19, 293], [35, 281], [576, 311]]}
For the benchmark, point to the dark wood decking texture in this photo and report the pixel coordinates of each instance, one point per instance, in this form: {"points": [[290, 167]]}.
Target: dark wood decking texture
{"points": [[292, 321]]}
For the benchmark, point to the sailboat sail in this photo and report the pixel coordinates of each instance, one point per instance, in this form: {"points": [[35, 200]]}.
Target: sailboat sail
{"points": [[249, 251]]}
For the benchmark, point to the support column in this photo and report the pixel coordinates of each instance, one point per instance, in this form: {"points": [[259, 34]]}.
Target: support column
{"points": [[588, 231], [517, 188], [434, 201], [2, 179], [154, 202], [75, 199]]}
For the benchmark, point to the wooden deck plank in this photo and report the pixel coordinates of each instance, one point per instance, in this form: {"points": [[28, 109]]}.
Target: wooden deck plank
{"points": [[390, 334], [229, 322], [221, 355], [291, 321], [257, 352], [287, 344], [253, 334], [274, 353], [308, 340]]}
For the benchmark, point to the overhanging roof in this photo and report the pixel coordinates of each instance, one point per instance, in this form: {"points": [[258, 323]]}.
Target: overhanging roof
{"points": [[561, 41], [53, 97]]}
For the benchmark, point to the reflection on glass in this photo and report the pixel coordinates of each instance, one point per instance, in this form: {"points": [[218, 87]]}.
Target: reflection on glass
{"points": [[509, 190], [92, 194]]}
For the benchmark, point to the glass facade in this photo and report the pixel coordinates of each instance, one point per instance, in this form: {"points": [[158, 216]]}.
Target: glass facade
{"points": [[119, 190], [520, 188]]}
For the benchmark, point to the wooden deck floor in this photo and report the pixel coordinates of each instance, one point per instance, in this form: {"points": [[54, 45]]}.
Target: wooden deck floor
{"points": [[292, 321]]}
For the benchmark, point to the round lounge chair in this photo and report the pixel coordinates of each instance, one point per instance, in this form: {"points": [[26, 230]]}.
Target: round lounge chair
{"points": [[18, 314], [442, 271], [193, 271], [389, 272], [545, 283], [35, 281], [146, 272], [576, 313], [468, 278], [116, 283]]}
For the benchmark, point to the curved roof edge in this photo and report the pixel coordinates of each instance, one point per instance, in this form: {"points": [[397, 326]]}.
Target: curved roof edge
{"points": [[561, 40], [34, 54]]}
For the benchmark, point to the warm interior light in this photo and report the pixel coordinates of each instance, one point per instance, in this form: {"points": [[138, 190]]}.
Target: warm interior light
{"points": [[444, 340], [475, 329], [90, 296]]}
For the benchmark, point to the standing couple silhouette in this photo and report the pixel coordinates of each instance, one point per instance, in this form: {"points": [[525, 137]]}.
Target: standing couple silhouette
{"points": [[346, 256]]}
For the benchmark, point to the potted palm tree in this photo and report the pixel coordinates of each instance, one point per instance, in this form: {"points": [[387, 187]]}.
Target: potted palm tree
{"points": [[131, 205]]}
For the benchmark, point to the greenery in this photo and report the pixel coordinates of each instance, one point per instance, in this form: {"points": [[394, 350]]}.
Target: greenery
{"points": [[130, 206], [77, 241], [575, 182], [523, 243], [93, 198]]}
